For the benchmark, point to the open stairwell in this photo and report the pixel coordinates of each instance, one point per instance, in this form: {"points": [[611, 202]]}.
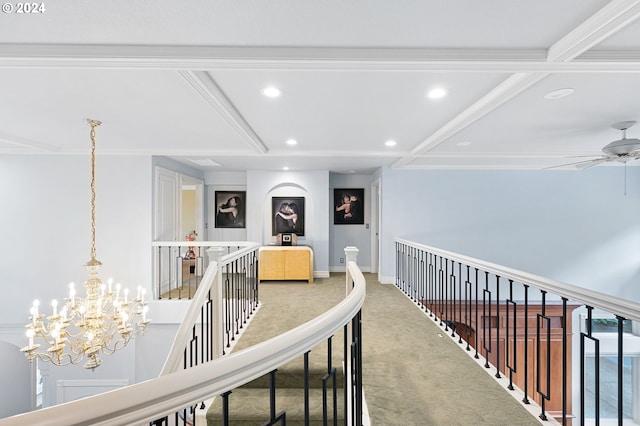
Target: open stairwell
{"points": [[285, 306], [251, 403]]}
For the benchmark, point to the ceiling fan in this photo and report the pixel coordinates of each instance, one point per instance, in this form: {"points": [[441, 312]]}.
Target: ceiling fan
{"points": [[621, 150]]}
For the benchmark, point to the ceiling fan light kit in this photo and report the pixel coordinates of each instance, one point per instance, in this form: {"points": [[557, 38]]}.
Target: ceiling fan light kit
{"points": [[623, 147], [620, 150]]}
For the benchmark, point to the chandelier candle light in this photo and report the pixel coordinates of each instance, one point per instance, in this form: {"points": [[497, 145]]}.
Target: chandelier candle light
{"points": [[104, 321]]}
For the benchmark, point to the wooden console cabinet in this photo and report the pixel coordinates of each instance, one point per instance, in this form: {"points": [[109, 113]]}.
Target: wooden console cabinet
{"points": [[285, 263]]}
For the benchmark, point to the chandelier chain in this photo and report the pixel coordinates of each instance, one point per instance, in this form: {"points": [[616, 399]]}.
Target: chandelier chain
{"points": [[93, 124]]}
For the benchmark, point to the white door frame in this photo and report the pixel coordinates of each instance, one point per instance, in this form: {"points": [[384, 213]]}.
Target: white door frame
{"points": [[375, 227]]}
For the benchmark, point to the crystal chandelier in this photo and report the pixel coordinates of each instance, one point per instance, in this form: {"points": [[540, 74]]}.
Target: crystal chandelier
{"points": [[104, 321]]}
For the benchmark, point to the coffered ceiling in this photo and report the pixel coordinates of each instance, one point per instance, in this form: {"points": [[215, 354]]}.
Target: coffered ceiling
{"points": [[185, 80]]}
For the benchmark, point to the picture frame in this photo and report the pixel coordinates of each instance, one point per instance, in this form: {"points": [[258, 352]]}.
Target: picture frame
{"points": [[348, 206], [288, 215], [230, 209]]}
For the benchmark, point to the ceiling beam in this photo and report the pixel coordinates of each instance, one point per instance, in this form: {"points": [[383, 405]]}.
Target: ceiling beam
{"points": [[207, 88], [607, 21], [210, 58]]}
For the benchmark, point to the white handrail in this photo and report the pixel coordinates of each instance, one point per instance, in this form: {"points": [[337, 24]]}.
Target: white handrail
{"points": [[625, 308], [149, 400], [172, 364]]}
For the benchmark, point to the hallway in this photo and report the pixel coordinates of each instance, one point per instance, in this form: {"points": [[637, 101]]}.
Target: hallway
{"points": [[411, 375]]}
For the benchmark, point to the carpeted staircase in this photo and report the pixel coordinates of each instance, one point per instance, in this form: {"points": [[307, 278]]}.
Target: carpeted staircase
{"points": [[250, 404], [279, 312]]}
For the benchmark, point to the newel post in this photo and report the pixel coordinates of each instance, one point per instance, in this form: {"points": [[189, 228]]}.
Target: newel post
{"points": [[215, 253], [351, 254]]}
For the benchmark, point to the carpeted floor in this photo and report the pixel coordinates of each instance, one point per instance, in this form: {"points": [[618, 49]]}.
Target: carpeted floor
{"points": [[413, 374]]}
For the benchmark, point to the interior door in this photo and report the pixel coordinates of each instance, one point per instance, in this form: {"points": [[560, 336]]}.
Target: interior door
{"points": [[166, 226]]}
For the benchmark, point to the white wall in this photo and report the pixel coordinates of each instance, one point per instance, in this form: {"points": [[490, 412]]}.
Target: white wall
{"points": [[314, 186], [15, 374], [572, 226], [223, 181], [358, 236]]}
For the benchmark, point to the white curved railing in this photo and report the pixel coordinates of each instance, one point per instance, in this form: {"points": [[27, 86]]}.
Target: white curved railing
{"points": [[162, 396]]}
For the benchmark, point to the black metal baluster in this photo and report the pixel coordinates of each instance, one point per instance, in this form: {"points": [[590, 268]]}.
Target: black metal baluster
{"points": [[306, 388], [467, 308], [525, 399], [225, 408], [398, 272], [452, 300], [431, 292], [544, 393], [159, 272], [459, 304], [498, 327], [346, 372], [163, 421], [447, 283], [565, 354], [476, 356], [583, 336], [414, 277], [331, 374], [281, 416], [620, 370], [486, 320], [423, 281], [210, 329], [510, 355]]}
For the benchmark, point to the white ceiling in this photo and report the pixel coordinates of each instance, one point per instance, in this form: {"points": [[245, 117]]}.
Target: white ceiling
{"points": [[184, 80]]}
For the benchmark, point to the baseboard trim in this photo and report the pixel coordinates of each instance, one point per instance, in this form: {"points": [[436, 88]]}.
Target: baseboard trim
{"points": [[387, 280]]}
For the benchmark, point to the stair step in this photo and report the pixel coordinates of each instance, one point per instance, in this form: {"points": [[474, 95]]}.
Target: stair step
{"points": [[293, 377], [251, 407]]}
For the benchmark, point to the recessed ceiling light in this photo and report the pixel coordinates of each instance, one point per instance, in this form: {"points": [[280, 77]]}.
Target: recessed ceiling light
{"points": [[560, 93], [390, 143], [463, 143], [437, 93], [272, 92], [292, 142]]}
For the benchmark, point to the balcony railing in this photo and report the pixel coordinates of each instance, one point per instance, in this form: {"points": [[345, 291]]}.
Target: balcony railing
{"points": [[562, 347], [180, 265], [171, 398]]}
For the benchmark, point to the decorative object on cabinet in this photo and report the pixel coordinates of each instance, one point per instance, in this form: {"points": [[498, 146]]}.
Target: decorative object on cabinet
{"points": [[230, 209], [348, 206], [286, 240], [288, 215], [285, 263]]}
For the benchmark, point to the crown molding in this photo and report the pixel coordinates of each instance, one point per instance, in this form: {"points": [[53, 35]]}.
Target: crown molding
{"points": [[28, 144], [200, 58]]}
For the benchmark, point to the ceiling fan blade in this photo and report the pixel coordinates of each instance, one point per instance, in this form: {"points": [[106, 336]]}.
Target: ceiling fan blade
{"points": [[581, 164]]}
